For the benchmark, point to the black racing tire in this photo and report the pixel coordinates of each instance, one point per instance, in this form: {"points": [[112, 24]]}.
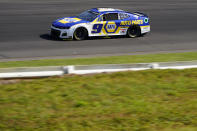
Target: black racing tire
{"points": [[134, 31], [80, 33]]}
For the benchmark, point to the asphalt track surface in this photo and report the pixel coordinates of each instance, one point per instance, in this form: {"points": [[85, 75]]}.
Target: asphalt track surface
{"points": [[25, 26]]}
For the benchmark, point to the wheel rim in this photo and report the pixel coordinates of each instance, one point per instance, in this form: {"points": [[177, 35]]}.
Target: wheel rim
{"points": [[80, 33], [133, 31]]}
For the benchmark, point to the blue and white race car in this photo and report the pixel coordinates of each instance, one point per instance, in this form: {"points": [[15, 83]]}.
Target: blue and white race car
{"points": [[101, 22]]}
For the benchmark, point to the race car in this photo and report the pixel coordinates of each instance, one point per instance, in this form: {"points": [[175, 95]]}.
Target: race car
{"points": [[101, 22]]}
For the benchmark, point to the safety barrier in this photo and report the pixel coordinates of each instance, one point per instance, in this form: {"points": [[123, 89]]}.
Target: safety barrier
{"points": [[7, 73]]}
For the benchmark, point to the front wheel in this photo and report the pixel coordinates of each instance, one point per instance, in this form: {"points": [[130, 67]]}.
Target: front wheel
{"points": [[80, 34], [134, 31]]}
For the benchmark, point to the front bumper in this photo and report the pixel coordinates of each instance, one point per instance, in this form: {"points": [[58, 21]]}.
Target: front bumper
{"points": [[60, 33], [145, 29]]}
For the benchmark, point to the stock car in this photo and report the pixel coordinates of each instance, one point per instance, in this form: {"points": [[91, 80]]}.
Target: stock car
{"points": [[101, 22]]}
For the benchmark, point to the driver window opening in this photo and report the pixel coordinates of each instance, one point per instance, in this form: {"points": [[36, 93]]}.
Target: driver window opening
{"points": [[110, 17]]}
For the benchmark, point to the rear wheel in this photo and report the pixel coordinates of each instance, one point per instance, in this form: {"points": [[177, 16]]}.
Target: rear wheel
{"points": [[80, 34], [134, 31]]}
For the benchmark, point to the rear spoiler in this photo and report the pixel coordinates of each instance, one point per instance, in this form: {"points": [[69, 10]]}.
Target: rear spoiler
{"points": [[140, 14]]}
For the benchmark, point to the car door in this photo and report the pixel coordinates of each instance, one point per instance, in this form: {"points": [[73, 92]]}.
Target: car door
{"points": [[112, 26], [106, 24]]}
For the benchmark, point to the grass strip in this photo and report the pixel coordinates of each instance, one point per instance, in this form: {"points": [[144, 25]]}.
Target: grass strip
{"points": [[149, 100], [188, 56]]}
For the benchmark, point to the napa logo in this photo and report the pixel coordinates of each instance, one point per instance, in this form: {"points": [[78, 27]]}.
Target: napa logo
{"points": [[110, 27], [69, 20]]}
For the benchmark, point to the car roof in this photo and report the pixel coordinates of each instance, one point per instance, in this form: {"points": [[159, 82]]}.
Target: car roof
{"points": [[106, 10]]}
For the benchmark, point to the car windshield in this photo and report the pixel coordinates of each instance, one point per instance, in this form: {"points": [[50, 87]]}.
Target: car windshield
{"points": [[88, 15]]}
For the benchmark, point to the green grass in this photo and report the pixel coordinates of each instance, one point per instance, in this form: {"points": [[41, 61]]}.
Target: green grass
{"points": [[152, 100], [105, 60]]}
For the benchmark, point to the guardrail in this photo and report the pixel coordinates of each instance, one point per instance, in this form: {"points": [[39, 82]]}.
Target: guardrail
{"points": [[8, 73]]}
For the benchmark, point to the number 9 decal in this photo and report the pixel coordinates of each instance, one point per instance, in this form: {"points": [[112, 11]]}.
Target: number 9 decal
{"points": [[97, 28]]}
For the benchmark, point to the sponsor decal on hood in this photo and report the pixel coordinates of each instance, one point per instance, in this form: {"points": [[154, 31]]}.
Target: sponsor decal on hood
{"points": [[69, 20]]}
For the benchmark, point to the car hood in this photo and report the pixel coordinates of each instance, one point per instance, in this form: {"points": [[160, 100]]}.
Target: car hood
{"points": [[67, 22]]}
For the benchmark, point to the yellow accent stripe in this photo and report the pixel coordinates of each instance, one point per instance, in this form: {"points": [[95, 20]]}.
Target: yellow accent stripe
{"points": [[145, 26], [118, 30], [103, 29]]}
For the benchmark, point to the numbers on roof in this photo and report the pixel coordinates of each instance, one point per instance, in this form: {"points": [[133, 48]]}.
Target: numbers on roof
{"points": [[107, 9]]}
